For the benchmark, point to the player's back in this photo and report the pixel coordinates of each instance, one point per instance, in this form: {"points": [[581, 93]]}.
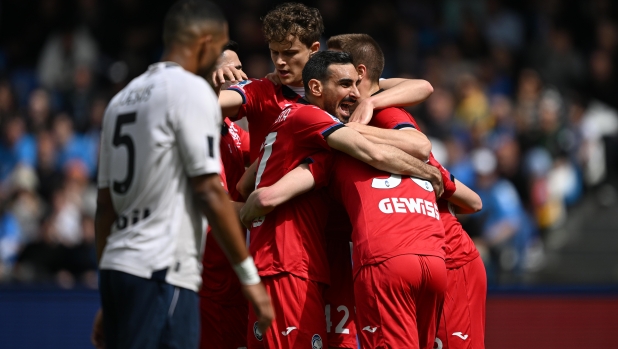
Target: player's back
{"points": [[391, 215], [290, 238], [150, 152]]}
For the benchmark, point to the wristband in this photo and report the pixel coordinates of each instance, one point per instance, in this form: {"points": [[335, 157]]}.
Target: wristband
{"points": [[247, 272]]}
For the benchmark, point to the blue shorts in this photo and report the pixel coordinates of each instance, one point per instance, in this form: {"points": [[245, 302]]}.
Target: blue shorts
{"points": [[147, 313]]}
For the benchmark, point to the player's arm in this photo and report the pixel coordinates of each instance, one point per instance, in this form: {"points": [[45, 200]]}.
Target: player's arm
{"points": [[230, 102], [409, 140], [263, 200], [397, 93], [104, 217], [383, 157], [465, 199], [246, 184]]}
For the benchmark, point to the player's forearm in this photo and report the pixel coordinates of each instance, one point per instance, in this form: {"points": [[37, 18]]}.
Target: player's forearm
{"points": [[410, 141], [401, 93], [230, 102], [393, 160], [465, 199], [214, 202], [246, 184], [296, 182], [104, 218]]}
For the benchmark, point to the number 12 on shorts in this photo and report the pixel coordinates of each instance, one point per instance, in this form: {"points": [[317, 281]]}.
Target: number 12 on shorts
{"points": [[339, 328]]}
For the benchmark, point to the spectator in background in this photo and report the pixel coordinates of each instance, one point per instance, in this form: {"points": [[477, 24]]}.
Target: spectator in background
{"points": [[10, 241], [506, 230], [72, 146], [39, 111], [65, 50], [17, 147]]}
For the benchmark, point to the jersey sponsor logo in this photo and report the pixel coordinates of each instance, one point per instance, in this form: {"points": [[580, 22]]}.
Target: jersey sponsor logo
{"points": [[460, 335], [316, 342], [235, 136], [423, 183], [370, 329], [256, 332], [288, 330], [409, 205]]}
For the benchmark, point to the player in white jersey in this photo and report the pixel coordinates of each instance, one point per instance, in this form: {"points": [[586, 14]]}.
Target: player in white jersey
{"points": [[158, 171]]}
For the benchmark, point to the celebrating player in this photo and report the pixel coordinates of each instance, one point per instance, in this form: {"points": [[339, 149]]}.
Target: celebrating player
{"points": [[463, 318], [292, 261], [223, 309], [158, 172], [292, 31]]}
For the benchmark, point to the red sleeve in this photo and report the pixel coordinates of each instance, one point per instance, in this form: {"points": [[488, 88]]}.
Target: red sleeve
{"points": [[252, 91], [447, 178], [392, 118], [320, 165], [245, 146], [314, 125]]}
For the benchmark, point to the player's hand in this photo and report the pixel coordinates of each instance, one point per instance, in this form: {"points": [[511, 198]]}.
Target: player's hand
{"points": [[260, 301], [227, 73], [274, 78], [253, 208], [363, 112], [97, 337], [436, 182]]}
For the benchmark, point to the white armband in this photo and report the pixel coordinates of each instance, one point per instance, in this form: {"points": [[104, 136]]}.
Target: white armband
{"points": [[247, 272]]}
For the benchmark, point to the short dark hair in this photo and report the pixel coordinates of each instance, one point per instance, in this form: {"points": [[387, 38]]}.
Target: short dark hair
{"points": [[185, 17], [317, 66], [364, 49], [231, 45], [294, 19]]}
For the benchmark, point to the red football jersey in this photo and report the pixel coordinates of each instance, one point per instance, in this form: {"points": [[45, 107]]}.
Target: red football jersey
{"points": [[391, 215], [460, 248], [397, 118], [234, 147], [263, 101], [219, 281], [291, 237]]}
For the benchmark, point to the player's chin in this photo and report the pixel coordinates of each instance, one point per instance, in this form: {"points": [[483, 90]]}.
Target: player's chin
{"points": [[287, 79]]}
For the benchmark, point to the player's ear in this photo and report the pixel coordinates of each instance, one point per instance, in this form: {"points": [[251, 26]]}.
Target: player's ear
{"points": [[202, 44], [315, 47], [315, 87], [361, 69]]}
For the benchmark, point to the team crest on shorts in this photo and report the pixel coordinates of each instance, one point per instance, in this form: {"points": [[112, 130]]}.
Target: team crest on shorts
{"points": [[316, 342], [257, 333]]}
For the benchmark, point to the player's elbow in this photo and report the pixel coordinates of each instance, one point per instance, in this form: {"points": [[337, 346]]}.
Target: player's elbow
{"points": [[477, 204], [425, 149], [426, 88]]}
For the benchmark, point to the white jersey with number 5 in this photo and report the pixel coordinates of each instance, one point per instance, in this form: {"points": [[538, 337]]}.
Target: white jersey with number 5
{"points": [[159, 131]]}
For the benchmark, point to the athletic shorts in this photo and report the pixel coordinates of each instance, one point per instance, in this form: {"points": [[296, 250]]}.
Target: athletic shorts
{"points": [[398, 302], [223, 326], [147, 313], [339, 296], [462, 324], [299, 315]]}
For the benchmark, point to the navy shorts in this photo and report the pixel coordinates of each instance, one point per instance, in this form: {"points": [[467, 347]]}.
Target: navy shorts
{"points": [[147, 313]]}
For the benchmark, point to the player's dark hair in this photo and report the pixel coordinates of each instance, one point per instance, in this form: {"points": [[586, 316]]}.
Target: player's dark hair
{"points": [[317, 66], [293, 19], [231, 45], [186, 18], [364, 49]]}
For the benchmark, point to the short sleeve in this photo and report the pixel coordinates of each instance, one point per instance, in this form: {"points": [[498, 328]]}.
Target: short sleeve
{"points": [[316, 125], [320, 165], [250, 91], [447, 178], [197, 125], [392, 118]]}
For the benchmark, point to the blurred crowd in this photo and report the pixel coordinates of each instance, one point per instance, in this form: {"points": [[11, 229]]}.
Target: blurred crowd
{"points": [[524, 111]]}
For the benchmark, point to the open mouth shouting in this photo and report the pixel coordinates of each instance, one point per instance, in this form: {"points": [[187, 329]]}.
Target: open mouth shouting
{"points": [[345, 107]]}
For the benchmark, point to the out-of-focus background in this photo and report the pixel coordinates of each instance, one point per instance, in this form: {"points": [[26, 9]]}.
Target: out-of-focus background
{"points": [[525, 111]]}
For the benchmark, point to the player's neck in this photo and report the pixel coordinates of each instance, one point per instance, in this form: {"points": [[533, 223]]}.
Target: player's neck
{"points": [[373, 88], [182, 56]]}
